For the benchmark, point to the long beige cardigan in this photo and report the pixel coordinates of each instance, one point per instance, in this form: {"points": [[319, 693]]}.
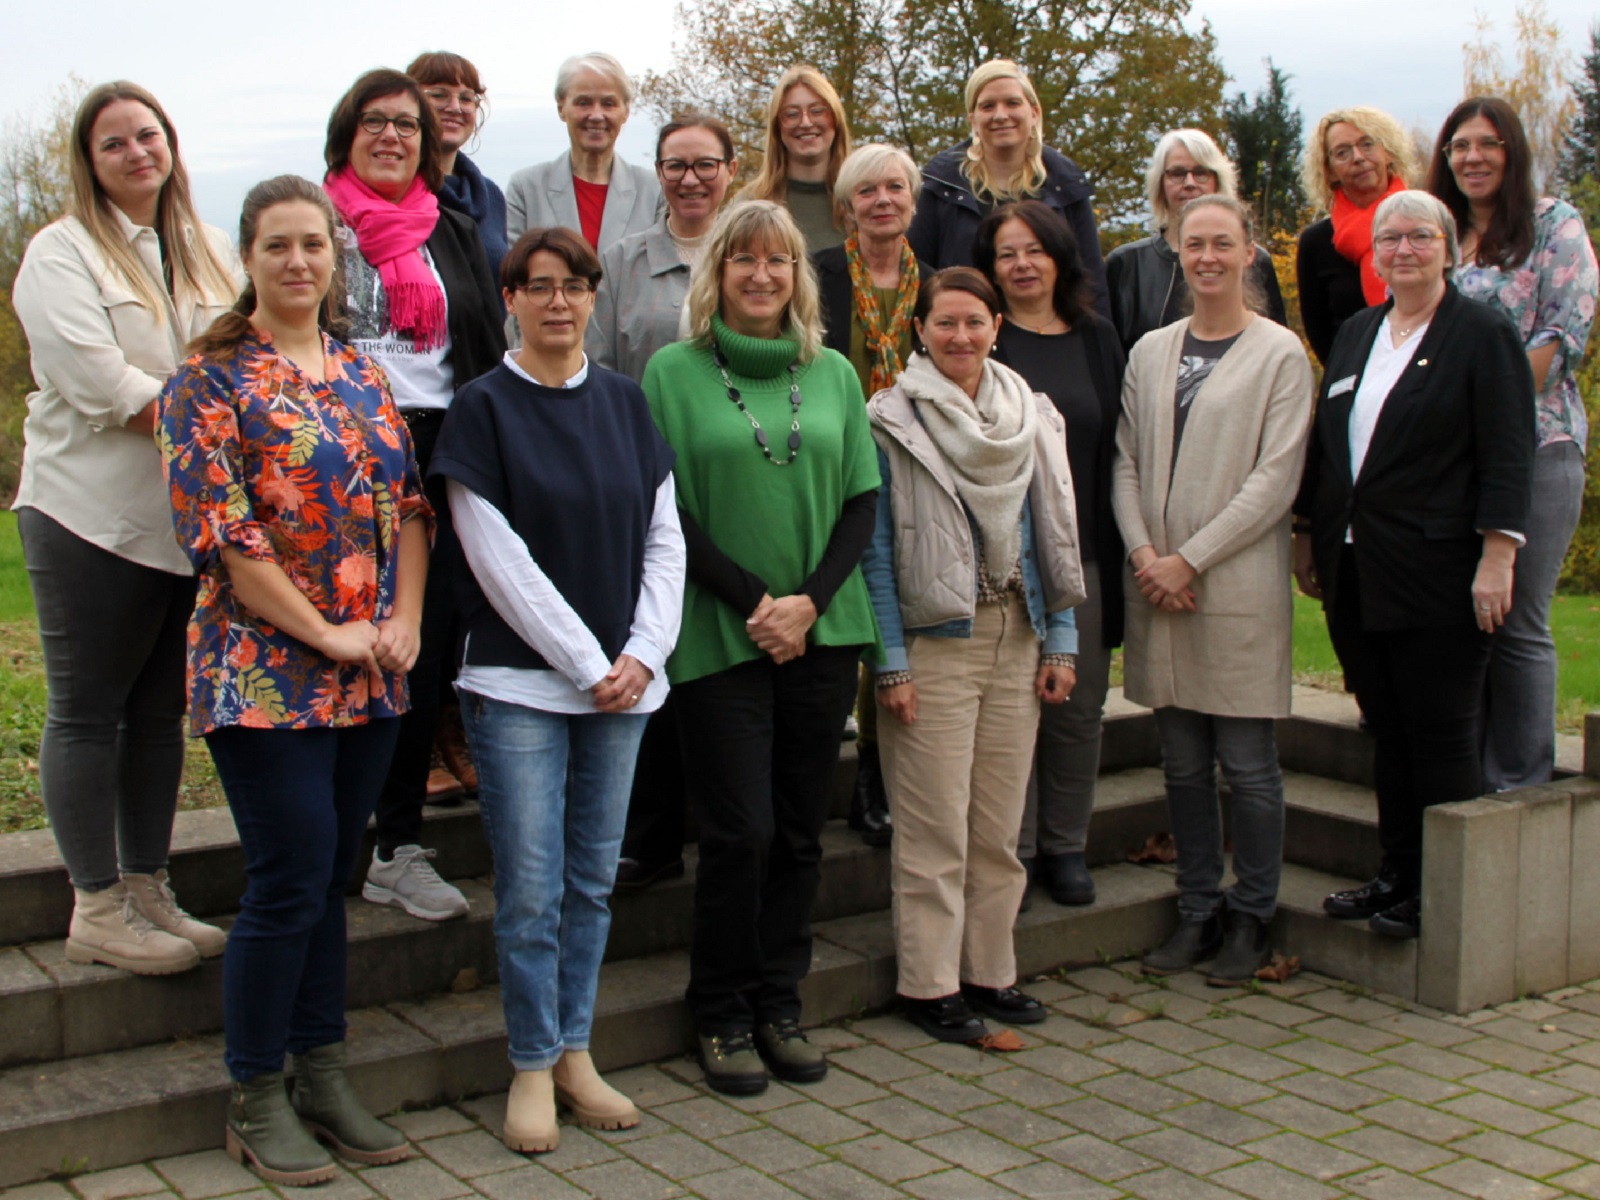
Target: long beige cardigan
{"points": [[1225, 509]]}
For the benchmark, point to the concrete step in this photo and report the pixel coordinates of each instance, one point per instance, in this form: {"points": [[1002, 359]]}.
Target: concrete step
{"points": [[105, 1110], [1345, 950], [52, 1008]]}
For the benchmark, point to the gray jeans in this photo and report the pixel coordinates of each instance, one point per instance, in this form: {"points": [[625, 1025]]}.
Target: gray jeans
{"points": [[1192, 744], [1067, 759], [1519, 746], [112, 751]]}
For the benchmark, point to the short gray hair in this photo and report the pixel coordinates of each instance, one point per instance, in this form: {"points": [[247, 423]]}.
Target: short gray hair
{"points": [[1205, 152], [1423, 206], [870, 163], [601, 64]]}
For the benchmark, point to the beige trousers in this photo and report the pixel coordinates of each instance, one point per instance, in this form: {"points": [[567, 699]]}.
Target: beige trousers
{"points": [[957, 780]]}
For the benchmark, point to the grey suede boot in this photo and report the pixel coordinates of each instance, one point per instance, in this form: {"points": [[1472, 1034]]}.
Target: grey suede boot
{"points": [[265, 1135], [330, 1108]]}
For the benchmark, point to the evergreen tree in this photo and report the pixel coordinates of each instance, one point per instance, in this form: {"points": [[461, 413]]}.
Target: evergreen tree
{"points": [[1580, 147], [1265, 136]]}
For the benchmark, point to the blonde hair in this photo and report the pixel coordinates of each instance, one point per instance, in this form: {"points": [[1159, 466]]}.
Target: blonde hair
{"points": [[870, 163], [772, 181], [1204, 151], [1029, 177], [740, 226], [1375, 124], [196, 268]]}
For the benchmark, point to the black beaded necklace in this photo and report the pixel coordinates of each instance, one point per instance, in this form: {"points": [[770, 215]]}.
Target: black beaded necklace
{"points": [[761, 434]]}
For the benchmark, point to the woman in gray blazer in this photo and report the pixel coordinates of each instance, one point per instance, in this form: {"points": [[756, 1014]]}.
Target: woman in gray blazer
{"points": [[588, 188]]}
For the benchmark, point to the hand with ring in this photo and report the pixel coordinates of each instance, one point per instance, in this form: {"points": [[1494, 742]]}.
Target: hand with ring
{"points": [[623, 685]]}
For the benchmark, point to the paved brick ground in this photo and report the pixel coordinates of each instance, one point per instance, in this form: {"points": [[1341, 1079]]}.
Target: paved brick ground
{"points": [[1308, 1090]]}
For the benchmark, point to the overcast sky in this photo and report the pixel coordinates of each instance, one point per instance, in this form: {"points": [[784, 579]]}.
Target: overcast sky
{"points": [[249, 88]]}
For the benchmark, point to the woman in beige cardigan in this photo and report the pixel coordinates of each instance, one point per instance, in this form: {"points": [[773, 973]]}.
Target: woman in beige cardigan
{"points": [[1216, 409]]}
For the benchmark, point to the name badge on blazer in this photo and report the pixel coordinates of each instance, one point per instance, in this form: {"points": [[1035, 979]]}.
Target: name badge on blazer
{"points": [[1347, 384]]}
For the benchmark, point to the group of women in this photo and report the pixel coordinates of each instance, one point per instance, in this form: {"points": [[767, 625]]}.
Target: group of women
{"points": [[910, 447]]}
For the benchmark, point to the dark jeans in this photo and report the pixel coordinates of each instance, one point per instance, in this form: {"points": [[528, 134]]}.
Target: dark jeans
{"points": [[760, 747], [399, 811], [1421, 691], [657, 805], [300, 799], [112, 750]]}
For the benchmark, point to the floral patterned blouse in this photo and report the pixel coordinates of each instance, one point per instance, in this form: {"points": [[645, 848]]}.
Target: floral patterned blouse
{"points": [[317, 477], [1550, 298]]}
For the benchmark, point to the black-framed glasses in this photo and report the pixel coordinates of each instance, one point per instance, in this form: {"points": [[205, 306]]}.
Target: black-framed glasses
{"points": [[543, 291], [705, 169], [1179, 174], [1343, 154], [375, 123], [1461, 147], [465, 97]]}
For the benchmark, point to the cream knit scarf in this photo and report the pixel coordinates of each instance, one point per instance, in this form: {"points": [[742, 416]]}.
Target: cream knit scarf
{"points": [[987, 441]]}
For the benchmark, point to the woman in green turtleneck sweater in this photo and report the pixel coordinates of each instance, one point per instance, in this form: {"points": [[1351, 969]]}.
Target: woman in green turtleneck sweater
{"points": [[777, 485]]}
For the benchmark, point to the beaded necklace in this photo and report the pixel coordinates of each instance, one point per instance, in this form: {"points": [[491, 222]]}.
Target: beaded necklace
{"points": [[761, 434]]}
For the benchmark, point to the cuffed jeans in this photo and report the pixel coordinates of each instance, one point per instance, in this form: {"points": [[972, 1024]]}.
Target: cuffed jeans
{"points": [[1192, 744], [957, 777], [760, 747], [553, 790], [1519, 745], [300, 800], [1067, 761], [111, 754]]}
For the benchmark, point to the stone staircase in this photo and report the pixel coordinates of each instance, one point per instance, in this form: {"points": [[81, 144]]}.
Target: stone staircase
{"points": [[100, 1068]]}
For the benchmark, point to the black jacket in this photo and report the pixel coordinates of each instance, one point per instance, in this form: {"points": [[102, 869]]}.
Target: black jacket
{"points": [[1330, 287], [838, 305], [1147, 288], [948, 214], [1451, 456], [476, 317]]}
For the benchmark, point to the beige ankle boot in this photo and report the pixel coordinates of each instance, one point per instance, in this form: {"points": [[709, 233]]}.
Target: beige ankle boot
{"points": [[152, 896], [108, 928], [531, 1114], [595, 1103]]}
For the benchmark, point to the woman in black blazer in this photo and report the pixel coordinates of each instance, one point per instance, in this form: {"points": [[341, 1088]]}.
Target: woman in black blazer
{"points": [[1055, 339], [1413, 504]]}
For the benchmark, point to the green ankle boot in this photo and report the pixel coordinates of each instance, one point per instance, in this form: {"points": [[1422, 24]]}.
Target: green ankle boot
{"points": [[330, 1108], [265, 1135]]}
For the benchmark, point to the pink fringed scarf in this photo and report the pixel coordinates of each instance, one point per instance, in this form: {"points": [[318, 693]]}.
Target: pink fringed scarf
{"points": [[390, 236], [1352, 237]]}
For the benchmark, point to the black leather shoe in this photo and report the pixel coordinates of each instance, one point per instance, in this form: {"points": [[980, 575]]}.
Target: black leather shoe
{"points": [[1388, 889], [1192, 942], [1030, 870], [635, 876], [1403, 920], [1007, 1004], [945, 1017], [1067, 878], [1245, 950], [869, 805]]}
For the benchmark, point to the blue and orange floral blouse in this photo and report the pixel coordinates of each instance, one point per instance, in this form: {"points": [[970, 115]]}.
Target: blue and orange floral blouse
{"points": [[316, 477], [1549, 298]]}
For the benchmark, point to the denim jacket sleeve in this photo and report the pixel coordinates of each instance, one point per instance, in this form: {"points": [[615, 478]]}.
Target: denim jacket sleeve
{"points": [[1060, 628], [1061, 633], [877, 568]]}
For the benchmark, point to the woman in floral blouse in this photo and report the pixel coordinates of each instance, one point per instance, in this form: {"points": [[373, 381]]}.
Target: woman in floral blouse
{"points": [[1531, 259], [295, 494]]}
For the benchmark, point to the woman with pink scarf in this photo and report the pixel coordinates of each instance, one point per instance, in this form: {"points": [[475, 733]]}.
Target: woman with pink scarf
{"points": [[1355, 158], [422, 306]]}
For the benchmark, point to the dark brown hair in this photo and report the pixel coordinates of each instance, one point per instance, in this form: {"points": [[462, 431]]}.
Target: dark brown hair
{"points": [[346, 118], [435, 67], [233, 326], [696, 120], [1509, 238], [953, 279], [564, 243], [1073, 292]]}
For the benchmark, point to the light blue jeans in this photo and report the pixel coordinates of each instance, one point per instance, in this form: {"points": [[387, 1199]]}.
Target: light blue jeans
{"points": [[1192, 744], [553, 789]]}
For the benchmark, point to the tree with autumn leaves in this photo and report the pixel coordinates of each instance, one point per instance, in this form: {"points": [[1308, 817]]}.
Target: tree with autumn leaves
{"points": [[1112, 75]]}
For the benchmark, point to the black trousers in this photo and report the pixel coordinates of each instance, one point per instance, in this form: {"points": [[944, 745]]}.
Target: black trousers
{"points": [[398, 820], [760, 747], [657, 804], [1421, 691]]}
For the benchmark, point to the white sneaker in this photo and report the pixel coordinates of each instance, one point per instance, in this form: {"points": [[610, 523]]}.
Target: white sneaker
{"points": [[409, 881]]}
